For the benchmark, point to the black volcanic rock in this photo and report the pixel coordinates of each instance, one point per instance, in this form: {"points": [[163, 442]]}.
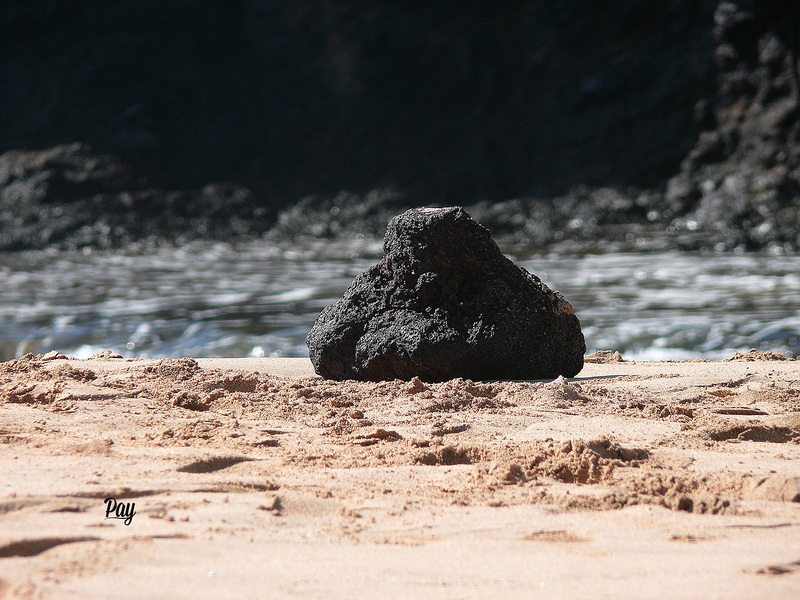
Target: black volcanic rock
{"points": [[442, 303]]}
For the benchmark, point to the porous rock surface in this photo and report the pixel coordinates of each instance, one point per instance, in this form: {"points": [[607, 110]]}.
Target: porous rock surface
{"points": [[444, 302]]}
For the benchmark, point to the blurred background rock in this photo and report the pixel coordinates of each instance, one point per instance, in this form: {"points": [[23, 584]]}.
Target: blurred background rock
{"points": [[569, 120]]}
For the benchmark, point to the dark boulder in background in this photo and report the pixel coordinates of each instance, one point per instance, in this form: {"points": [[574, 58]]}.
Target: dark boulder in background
{"points": [[443, 303]]}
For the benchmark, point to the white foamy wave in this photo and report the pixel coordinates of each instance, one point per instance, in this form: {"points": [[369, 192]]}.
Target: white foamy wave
{"points": [[261, 298]]}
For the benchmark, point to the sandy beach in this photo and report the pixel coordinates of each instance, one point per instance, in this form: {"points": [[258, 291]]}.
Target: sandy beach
{"points": [[253, 478]]}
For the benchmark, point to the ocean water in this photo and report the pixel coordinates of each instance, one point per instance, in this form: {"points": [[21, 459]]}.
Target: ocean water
{"points": [[260, 298]]}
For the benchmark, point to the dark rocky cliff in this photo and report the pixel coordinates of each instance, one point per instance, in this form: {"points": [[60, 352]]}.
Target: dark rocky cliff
{"points": [[446, 103]]}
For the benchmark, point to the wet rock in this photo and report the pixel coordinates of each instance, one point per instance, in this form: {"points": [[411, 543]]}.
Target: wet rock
{"points": [[443, 303]]}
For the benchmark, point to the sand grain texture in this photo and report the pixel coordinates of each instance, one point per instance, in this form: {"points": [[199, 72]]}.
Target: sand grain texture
{"points": [[253, 478]]}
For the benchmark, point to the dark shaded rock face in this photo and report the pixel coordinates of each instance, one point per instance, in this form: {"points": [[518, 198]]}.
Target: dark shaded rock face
{"points": [[442, 303], [296, 97], [551, 113]]}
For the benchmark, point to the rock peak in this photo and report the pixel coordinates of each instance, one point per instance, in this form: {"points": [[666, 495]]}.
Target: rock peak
{"points": [[444, 302]]}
